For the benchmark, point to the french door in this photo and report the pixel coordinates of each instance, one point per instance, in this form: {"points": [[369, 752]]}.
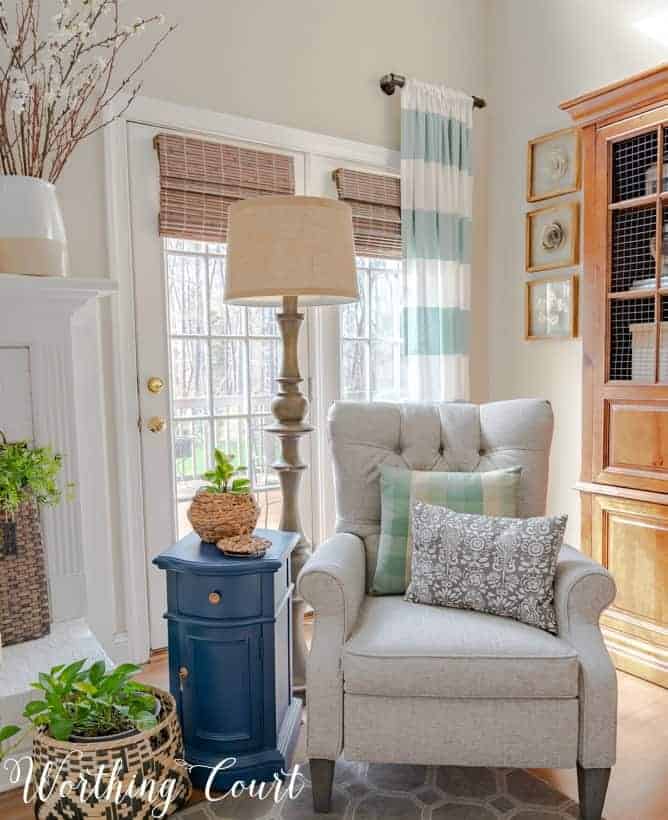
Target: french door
{"points": [[206, 374], [206, 370]]}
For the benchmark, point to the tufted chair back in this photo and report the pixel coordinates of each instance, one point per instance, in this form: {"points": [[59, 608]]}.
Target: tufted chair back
{"points": [[448, 436]]}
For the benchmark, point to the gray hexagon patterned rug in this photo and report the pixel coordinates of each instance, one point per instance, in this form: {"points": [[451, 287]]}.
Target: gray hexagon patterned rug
{"points": [[373, 791]]}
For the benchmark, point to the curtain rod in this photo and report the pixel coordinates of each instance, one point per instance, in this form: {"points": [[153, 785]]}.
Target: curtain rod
{"points": [[390, 82]]}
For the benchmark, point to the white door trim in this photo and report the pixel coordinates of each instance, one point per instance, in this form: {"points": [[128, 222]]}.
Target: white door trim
{"points": [[176, 117]]}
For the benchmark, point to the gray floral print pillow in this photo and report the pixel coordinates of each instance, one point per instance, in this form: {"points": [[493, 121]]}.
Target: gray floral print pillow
{"points": [[502, 566]]}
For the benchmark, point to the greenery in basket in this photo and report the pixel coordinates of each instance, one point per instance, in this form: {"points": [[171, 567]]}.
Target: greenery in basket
{"points": [[91, 702], [221, 479], [26, 471]]}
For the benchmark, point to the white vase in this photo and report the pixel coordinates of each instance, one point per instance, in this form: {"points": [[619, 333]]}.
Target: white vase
{"points": [[32, 231]]}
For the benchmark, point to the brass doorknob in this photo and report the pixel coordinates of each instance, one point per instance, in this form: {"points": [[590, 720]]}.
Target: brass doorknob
{"points": [[156, 424], [155, 384], [183, 673]]}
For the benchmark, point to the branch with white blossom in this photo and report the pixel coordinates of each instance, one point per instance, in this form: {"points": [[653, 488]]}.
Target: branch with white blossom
{"points": [[59, 86]]}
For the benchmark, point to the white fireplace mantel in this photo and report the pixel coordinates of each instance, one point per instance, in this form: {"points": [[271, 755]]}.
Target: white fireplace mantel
{"points": [[55, 320], [50, 345]]}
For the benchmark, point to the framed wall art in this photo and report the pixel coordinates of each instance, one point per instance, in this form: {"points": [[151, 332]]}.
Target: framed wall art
{"points": [[551, 308], [553, 164], [552, 237]]}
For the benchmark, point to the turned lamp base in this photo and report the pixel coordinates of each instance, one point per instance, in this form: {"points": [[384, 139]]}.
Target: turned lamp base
{"points": [[290, 408]]}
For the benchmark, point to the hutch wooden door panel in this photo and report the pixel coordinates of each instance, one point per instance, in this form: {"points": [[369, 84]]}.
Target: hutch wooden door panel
{"points": [[625, 368]]}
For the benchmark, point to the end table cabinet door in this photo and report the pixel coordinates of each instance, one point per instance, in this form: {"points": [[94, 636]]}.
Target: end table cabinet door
{"points": [[221, 698]]}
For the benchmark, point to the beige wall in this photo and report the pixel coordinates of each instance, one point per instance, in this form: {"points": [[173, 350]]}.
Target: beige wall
{"points": [[543, 52]]}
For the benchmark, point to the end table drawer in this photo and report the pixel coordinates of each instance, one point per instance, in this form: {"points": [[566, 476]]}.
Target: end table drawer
{"points": [[205, 596]]}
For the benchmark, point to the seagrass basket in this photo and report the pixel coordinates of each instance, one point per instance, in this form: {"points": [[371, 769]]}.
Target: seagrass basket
{"points": [[152, 756], [24, 596], [216, 516]]}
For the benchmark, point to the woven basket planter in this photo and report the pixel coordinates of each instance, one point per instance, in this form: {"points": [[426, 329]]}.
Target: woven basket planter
{"points": [[24, 596], [215, 516], [144, 756]]}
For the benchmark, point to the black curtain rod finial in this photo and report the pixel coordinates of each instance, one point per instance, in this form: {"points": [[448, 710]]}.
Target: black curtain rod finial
{"points": [[390, 82]]}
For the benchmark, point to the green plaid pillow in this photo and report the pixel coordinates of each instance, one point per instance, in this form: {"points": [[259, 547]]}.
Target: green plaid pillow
{"points": [[491, 493]]}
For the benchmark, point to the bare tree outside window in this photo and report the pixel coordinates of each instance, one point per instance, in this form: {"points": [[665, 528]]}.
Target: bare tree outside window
{"points": [[371, 333]]}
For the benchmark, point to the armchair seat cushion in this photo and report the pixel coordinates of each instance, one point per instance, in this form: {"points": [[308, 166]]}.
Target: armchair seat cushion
{"points": [[402, 649]]}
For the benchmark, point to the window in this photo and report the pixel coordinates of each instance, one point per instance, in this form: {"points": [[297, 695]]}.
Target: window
{"points": [[371, 334], [224, 360]]}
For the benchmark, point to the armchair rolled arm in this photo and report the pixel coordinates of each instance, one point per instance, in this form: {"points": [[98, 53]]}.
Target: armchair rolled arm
{"points": [[333, 583], [333, 580], [582, 591]]}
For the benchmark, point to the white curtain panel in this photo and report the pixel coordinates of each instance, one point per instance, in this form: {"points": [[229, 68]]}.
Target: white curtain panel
{"points": [[436, 210]]}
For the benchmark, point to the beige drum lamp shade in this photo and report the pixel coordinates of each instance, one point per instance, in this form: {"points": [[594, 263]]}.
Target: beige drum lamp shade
{"points": [[290, 246]]}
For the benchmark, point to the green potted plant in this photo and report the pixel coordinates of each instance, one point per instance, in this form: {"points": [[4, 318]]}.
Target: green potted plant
{"points": [[82, 704], [87, 717], [225, 511], [28, 478], [27, 471]]}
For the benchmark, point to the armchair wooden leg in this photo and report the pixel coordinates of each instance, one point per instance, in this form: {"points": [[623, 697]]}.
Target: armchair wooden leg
{"points": [[592, 786], [322, 777]]}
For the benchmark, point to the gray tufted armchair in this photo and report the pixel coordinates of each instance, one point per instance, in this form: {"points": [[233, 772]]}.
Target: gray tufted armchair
{"points": [[396, 682]]}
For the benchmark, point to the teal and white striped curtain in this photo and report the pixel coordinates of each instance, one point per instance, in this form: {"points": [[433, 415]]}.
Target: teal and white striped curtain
{"points": [[436, 209]]}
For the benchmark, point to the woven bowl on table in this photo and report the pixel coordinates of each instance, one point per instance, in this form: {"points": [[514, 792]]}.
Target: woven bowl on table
{"points": [[217, 516], [156, 754]]}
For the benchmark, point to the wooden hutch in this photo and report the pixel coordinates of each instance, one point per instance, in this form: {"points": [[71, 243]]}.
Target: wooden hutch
{"points": [[624, 485]]}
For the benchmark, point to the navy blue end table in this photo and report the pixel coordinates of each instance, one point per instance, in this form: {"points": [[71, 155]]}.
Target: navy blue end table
{"points": [[230, 657]]}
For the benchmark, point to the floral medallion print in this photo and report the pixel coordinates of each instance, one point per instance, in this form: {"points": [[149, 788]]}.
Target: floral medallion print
{"points": [[502, 566]]}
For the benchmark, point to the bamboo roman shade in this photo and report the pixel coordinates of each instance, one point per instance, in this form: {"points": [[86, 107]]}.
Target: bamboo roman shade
{"points": [[199, 180], [376, 203]]}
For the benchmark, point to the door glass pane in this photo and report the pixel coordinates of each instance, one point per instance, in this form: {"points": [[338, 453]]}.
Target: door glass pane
{"points": [[264, 365], [264, 452], [355, 370], [370, 333], [384, 304], [191, 455], [232, 437], [384, 371], [634, 166], [355, 315], [187, 295], [190, 377], [632, 340], [270, 503], [224, 360], [262, 322], [225, 320], [228, 377]]}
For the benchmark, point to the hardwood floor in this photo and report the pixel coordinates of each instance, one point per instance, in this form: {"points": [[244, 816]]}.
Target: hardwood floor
{"points": [[637, 789], [638, 784]]}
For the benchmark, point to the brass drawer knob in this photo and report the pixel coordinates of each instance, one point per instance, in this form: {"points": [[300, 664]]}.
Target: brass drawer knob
{"points": [[215, 598]]}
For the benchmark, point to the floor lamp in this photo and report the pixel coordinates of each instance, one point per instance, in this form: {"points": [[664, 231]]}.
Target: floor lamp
{"points": [[284, 251]]}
